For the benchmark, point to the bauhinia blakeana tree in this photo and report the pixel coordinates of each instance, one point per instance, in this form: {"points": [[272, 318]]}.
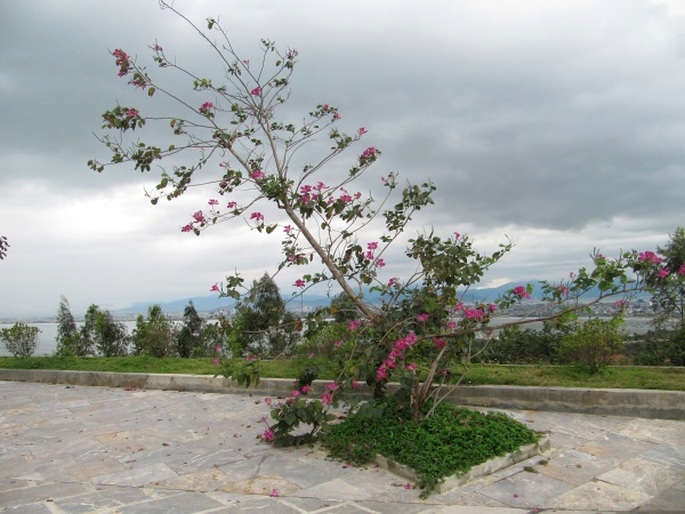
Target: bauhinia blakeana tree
{"points": [[230, 137]]}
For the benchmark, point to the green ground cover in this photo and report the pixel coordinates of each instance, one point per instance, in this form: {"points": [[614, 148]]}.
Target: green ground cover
{"points": [[634, 377]]}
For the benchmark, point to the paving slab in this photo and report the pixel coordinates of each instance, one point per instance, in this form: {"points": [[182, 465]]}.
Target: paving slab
{"points": [[105, 450]]}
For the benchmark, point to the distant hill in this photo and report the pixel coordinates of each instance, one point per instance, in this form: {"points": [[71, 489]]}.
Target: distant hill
{"points": [[309, 301]]}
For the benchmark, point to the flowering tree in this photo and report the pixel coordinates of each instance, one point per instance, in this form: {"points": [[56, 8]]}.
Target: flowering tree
{"points": [[240, 149]]}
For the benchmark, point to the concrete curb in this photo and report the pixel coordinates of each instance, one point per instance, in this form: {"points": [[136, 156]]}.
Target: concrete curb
{"points": [[611, 402]]}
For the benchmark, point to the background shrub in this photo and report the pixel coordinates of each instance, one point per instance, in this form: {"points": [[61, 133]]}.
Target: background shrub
{"points": [[20, 339]]}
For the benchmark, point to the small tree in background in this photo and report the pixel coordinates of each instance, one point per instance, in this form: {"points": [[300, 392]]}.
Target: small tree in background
{"points": [[154, 336], [111, 338], [262, 325], [67, 331], [21, 340], [190, 341]]}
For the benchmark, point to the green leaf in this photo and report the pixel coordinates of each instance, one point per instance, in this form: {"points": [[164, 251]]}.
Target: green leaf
{"points": [[151, 91]]}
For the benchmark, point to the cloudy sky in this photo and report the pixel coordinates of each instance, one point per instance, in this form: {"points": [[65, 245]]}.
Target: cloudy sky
{"points": [[558, 124]]}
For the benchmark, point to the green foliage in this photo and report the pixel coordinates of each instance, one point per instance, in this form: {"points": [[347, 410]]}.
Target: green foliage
{"points": [[68, 337], [262, 325], [668, 299], [111, 337], [592, 344], [20, 339], [190, 339], [517, 345], [154, 336], [450, 442], [659, 348]]}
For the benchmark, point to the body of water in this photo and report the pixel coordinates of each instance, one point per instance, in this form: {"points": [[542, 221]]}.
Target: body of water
{"points": [[47, 339]]}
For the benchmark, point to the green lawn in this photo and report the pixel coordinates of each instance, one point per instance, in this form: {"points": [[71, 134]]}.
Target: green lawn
{"points": [[635, 377]]}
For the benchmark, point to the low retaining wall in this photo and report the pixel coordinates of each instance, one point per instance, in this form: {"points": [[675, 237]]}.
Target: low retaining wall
{"points": [[614, 402]]}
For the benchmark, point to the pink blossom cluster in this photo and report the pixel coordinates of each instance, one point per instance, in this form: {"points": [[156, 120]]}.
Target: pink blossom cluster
{"points": [[198, 218], [397, 353], [327, 397], [520, 292], [649, 257], [206, 108], [123, 61], [369, 153]]}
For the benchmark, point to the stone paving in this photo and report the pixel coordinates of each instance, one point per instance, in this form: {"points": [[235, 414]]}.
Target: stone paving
{"points": [[112, 450]]}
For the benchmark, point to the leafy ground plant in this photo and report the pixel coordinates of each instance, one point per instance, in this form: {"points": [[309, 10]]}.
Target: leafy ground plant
{"points": [[450, 442]]}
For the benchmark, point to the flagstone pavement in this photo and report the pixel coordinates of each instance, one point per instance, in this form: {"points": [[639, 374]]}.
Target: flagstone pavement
{"points": [[77, 449]]}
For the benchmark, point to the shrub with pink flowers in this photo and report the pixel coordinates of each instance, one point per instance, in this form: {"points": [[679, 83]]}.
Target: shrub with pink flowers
{"points": [[231, 131]]}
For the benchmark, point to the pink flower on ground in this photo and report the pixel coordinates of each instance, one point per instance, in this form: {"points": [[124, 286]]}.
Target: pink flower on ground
{"points": [[256, 91], [353, 325], [268, 435], [275, 493], [520, 292], [407, 485]]}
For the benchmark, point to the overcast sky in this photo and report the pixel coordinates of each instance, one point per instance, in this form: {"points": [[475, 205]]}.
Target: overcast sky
{"points": [[558, 124]]}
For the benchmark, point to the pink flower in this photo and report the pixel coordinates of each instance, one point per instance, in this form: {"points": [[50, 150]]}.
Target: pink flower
{"points": [[439, 343], [122, 60], [492, 307], [213, 201], [353, 325], [257, 216], [681, 270], [287, 229], [295, 393], [520, 292], [337, 344], [407, 485], [451, 325], [275, 493], [392, 282], [206, 107], [411, 366], [216, 361], [231, 205], [355, 384], [132, 113], [217, 349], [422, 317], [300, 283], [369, 153], [215, 287], [663, 273], [372, 246], [256, 91], [268, 435], [562, 290], [267, 400], [380, 263], [457, 235], [620, 304], [362, 131], [327, 398], [157, 48], [304, 389], [649, 257], [311, 355], [186, 228], [474, 314], [459, 307], [336, 116], [199, 217], [325, 107], [256, 175]]}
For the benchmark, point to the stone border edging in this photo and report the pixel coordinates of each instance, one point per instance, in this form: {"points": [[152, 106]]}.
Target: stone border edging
{"points": [[642, 403]]}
